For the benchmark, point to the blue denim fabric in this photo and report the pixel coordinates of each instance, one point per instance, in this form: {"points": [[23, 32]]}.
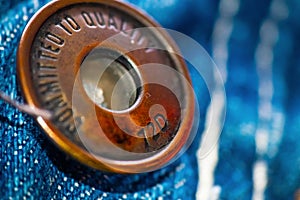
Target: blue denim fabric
{"points": [[34, 168]]}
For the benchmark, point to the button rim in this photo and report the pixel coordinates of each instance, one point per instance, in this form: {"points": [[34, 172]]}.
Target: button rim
{"points": [[23, 72]]}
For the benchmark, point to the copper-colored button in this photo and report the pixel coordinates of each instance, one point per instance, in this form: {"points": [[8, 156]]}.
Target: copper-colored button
{"points": [[119, 93]]}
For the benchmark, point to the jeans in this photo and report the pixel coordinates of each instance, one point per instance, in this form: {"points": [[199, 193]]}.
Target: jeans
{"points": [[260, 65]]}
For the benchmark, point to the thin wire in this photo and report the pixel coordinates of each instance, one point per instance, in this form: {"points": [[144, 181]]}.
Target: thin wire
{"points": [[33, 111]]}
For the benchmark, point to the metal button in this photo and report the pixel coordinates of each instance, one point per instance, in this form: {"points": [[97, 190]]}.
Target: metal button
{"points": [[118, 90]]}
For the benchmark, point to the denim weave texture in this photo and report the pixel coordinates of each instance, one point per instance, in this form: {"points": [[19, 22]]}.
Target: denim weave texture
{"points": [[31, 167]]}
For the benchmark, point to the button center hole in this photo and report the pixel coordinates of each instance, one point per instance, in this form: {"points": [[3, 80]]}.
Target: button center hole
{"points": [[110, 79]]}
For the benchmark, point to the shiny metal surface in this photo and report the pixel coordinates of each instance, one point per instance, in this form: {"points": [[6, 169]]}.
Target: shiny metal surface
{"points": [[71, 49]]}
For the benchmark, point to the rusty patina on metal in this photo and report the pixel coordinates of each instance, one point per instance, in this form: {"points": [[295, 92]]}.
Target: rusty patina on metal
{"points": [[144, 137]]}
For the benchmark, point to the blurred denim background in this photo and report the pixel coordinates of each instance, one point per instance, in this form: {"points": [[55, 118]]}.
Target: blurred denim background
{"points": [[256, 47]]}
